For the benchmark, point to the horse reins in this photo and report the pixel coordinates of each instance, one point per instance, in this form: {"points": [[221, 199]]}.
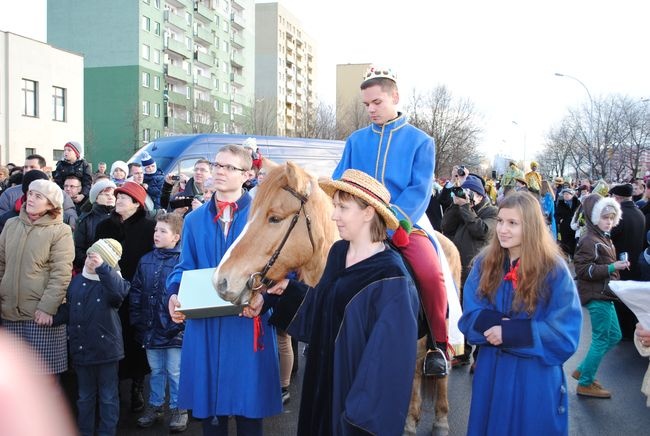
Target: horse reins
{"points": [[261, 275]]}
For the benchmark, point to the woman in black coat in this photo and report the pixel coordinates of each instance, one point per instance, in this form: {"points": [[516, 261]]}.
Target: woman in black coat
{"points": [[129, 225], [565, 208]]}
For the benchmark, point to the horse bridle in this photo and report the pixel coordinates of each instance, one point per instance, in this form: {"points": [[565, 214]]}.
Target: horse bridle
{"points": [[260, 276]]}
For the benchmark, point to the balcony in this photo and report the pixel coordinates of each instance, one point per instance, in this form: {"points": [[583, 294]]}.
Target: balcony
{"points": [[237, 79], [176, 73], [237, 21], [203, 13], [204, 58], [175, 20], [179, 4], [238, 4], [237, 59], [178, 99], [240, 99], [177, 47], [237, 41], [203, 81], [204, 35]]}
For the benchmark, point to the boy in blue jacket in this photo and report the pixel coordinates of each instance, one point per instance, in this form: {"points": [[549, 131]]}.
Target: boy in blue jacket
{"points": [[159, 335], [95, 335]]}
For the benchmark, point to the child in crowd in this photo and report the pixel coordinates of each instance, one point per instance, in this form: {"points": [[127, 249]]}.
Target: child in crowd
{"points": [[158, 334], [153, 179], [595, 265], [119, 172], [95, 335]]}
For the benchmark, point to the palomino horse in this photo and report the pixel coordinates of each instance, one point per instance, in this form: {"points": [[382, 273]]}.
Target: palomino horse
{"points": [[290, 229]]}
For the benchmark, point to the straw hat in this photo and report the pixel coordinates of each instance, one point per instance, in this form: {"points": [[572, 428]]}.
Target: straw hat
{"points": [[368, 189]]}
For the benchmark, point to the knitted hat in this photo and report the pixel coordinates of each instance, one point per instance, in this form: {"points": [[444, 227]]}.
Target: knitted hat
{"points": [[533, 165], [32, 175], [379, 72], [146, 159], [474, 184], [558, 181], [121, 165], [98, 187], [108, 249], [368, 189], [624, 190], [50, 190], [75, 146], [133, 190]]}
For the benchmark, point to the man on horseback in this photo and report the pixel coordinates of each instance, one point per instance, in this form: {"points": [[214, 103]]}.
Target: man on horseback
{"points": [[402, 158]]}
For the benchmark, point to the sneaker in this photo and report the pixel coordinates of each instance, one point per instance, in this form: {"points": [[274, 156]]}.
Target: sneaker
{"points": [[286, 396], [178, 422], [594, 391], [459, 361], [576, 375], [150, 415], [435, 363]]}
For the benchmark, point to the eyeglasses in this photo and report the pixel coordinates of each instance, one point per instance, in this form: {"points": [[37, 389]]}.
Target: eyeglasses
{"points": [[227, 167]]}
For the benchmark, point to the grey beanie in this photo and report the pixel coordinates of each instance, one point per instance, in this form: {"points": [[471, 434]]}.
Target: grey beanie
{"points": [[98, 187]]}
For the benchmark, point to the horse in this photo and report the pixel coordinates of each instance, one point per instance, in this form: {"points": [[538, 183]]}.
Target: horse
{"points": [[290, 229]]}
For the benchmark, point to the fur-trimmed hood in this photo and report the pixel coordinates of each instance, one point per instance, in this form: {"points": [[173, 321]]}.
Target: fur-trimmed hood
{"points": [[594, 204]]}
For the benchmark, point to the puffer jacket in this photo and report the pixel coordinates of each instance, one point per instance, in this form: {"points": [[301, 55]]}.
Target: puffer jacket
{"points": [[84, 234], [595, 252], [154, 184], [91, 312], [148, 309], [35, 265], [79, 168]]}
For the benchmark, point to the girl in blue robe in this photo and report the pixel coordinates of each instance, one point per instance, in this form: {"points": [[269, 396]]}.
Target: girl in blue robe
{"points": [[521, 306]]}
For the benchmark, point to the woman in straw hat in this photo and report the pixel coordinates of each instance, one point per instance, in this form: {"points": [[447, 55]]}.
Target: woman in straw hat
{"points": [[360, 320]]}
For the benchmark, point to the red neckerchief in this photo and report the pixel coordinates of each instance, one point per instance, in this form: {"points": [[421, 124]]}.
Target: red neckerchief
{"points": [[222, 205], [512, 275], [258, 332]]}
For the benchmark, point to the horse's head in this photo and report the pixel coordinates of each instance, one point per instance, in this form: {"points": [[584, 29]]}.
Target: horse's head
{"points": [[288, 194]]}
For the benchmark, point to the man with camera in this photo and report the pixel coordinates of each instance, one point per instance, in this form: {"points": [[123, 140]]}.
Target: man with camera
{"points": [[458, 176], [469, 222], [190, 192]]}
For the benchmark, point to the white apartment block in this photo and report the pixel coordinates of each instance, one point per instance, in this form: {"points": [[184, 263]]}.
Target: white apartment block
{"points": [[284, 68], [41, 99]]}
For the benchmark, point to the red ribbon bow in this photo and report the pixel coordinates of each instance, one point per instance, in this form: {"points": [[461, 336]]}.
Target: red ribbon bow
{"points": [[222, 205], [258, 332], [512, 275]]}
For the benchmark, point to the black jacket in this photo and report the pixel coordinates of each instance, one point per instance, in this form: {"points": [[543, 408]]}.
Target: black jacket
{"points": [[628, 236], [91, 312], [84, 234], [563, 215], [79, 168]]}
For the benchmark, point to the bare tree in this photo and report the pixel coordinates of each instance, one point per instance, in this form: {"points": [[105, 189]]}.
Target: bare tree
{"points": [[453, 124], [350, 118], [318, 121]]}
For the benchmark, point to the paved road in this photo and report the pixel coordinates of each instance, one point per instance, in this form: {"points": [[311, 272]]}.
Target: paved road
{"points": [[621, 371]]}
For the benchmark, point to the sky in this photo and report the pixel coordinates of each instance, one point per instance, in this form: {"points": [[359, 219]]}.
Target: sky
{"points": [[501, 54]]}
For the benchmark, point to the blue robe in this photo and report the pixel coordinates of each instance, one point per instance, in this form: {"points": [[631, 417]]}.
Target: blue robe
{"points": [[220, 372], [519, 387], [548, 208], [361, 325], [399, 155]]}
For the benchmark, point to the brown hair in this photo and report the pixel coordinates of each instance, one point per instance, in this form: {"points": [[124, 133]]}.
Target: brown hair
{"points": [[239, 151], [539, 256], [202, 161], [173, 220], [386, 85], [546, 188], [377, 225]]}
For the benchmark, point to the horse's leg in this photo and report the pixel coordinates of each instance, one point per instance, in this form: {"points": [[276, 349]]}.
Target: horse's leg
{"points": [[415, 406], [441, 423]]}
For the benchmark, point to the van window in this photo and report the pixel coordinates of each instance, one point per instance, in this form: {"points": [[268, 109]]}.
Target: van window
{"points": [[187, 166]]}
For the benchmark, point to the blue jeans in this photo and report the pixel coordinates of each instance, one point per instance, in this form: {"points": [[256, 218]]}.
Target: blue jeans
{"points": [[98, 380], [165, 366], [605, 334]]}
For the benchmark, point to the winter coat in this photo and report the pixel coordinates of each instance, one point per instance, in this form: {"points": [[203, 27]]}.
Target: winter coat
{"points": [[628, 236], [595, 252], [9, 198], [154, 184], [84, 234], [470, 228], [148, 303], [79, 168], [563, 215], [91, 312], [35, 265]]}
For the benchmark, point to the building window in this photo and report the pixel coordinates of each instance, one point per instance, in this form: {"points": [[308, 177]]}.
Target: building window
{"points": [[188, 43], [156, 110], [156, 56], [146, 79], [145, 107], [188, 92], [156, 134], [146, 135], [29, 151], [156, 83], [157, 4], [188, 18], [58, 100], [156, 28], [224, 108], [146, 23], [216, 105], [30, 98], [188, 117], [146, 2], [57, 155], [145, 52]]}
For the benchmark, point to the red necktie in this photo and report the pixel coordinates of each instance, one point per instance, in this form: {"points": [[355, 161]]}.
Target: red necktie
{"points": [[221, 206], [512, 275]]}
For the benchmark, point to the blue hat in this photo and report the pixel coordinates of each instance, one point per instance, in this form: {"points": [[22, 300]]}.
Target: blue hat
{"points": [[146, 159], [473, 183]]}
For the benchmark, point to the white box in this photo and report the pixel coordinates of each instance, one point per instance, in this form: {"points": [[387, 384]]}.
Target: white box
{"points": [[198, 297]]}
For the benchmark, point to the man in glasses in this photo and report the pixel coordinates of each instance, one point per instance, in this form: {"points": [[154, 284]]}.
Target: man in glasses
{"points": [[221, 374], [402, 157], [188, 189]]}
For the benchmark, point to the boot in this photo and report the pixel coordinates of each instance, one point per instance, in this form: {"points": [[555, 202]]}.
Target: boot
{"points": [[137, 399], [576, 375], [150, 415], [178, 422], [594, 391]]}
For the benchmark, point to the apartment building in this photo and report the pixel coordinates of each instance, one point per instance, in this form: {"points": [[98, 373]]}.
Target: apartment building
{"points": [[158, 67], [41, 99], [285, 72], [350, 112]]}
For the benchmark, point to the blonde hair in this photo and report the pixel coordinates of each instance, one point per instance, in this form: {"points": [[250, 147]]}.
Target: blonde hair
{"points": [[539, 256], [239, 151], [546, 188]]}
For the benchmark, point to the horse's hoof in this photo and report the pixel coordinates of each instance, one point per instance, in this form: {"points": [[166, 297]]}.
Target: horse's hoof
{"points": [[440, 427], [410, 427]]}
